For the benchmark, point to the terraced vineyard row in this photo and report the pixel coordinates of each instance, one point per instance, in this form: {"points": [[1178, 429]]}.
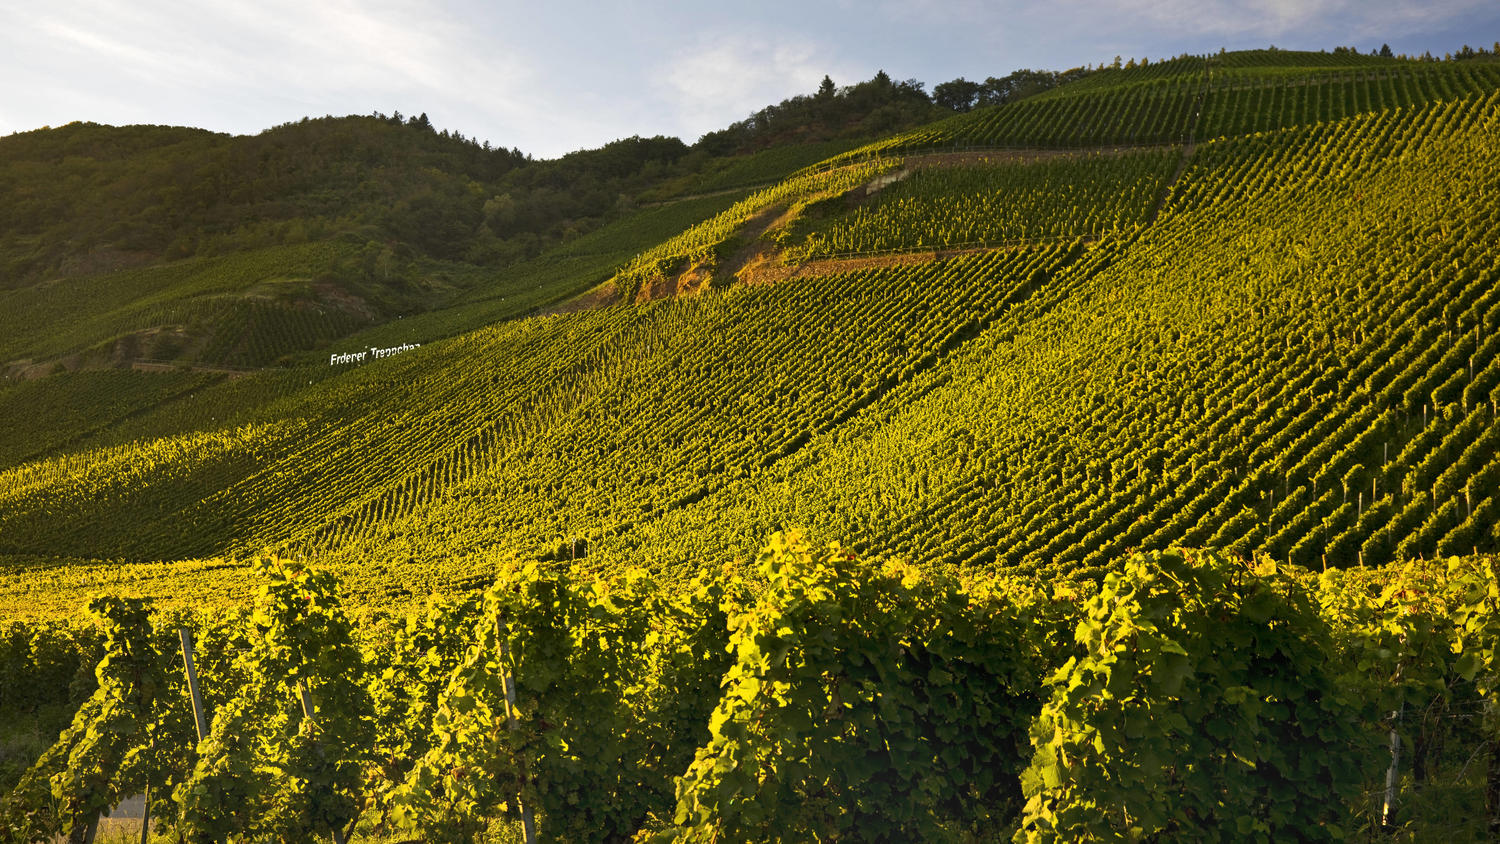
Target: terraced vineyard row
{"points": [[630, 443], [1244, 102], [1286, 61], [78, 404], [259, 333], [417, 406], [43, 502], [1149, 112], [579, 426], [995, 202], [1215, 100], [1297, 360]]}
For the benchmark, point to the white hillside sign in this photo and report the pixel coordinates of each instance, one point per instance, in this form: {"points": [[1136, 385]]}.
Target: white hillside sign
{"points": [[371, 353]]}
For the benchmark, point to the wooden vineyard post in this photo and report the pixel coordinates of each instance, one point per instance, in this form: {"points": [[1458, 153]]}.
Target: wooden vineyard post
{"points": [[1389, 809], [146, 817], [528, 823], [305, 698], [200, 717]]}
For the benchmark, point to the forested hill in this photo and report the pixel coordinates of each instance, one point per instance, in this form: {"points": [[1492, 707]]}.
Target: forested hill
{"points": [[88, 194]]}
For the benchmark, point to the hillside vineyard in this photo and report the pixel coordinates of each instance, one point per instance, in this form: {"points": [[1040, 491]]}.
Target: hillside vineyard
{"points": [[854, 501], [1296, 358]]}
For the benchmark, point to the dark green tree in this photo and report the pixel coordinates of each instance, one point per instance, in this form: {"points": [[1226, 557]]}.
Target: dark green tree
{"points": [[1023, 83], [959, 94]]}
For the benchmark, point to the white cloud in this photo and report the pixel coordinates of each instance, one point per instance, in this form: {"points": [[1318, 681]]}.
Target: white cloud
{"points": [[106, 40], [244, 65], [1303, 20], [569, 73], [710, 86]]}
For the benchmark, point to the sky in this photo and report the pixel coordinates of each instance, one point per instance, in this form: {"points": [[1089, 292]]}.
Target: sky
{"points": [[551, 76]]}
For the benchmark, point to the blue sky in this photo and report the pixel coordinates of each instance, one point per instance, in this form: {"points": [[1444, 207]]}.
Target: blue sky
{"points": [[549, 77]]}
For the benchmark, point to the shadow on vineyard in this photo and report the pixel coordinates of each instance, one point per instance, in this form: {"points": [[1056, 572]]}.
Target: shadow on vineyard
{"points": [[810, 694]]}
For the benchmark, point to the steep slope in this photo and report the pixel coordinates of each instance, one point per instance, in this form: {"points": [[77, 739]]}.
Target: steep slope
{"points": [[1200, 98], [1295, 360], [1279, 344]]}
